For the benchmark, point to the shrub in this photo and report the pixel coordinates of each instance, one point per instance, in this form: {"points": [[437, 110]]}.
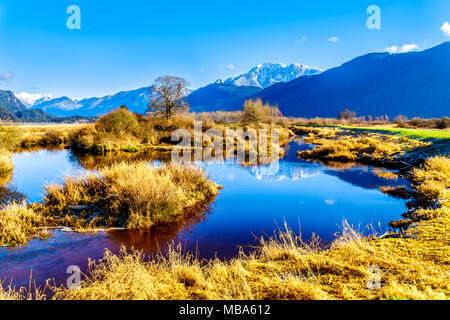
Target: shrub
{"points": [[255, 111], [118, 122], [130, 195], [347, 115]]}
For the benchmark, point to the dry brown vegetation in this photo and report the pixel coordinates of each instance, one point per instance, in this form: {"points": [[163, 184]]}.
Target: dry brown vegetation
{"points": [[412, 265], [19, 224], [9, 138], [122, 130], [281, 268], [129, 195], [47, 135], [332, 144], [431, 183], [6, 165]]}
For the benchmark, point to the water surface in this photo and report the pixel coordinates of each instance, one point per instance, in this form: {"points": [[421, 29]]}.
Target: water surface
{"points": [[310, 197]]}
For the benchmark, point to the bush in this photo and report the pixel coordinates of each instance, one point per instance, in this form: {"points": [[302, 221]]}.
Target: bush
{"points": [[255, 111], [347, 115], [443, 123], [118, 122]]}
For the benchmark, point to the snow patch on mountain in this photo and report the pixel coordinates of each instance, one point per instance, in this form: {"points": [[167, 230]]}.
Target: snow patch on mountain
{"points": [[267, 74], [31, 99]]}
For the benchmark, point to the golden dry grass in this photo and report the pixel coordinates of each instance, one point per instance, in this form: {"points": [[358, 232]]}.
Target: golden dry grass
{"points": [[19, 224], [47, 135], [130, 195], [12, 293], [332, 144], [282, 268], [121, 130], [413, 265], [6, 165]]}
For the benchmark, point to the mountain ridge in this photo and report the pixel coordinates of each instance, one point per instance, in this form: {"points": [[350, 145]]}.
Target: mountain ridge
{"points": [[267, 74], [411, 84]]}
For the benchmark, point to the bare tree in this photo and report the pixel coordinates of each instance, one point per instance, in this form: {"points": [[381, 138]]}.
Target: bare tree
{"points": [[168, 95], [347, 115]]}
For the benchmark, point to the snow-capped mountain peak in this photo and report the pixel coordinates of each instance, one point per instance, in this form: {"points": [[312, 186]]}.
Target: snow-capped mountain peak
{"points": [[31, 99], [267, 74]]}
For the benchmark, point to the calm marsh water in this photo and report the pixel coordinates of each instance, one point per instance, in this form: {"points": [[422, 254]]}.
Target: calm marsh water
{"points": [[310, 197]]}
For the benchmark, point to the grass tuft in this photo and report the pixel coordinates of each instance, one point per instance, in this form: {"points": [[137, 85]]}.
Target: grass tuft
{"points": [[19, 224], [128, 195]]}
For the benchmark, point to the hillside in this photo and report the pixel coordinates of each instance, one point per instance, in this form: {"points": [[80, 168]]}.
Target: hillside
{"points": [[135, 100], [411, 84], [12, 109], [219, 96]]}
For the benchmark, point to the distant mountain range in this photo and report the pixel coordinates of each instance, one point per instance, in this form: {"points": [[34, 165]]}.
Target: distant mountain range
{"points": [[411, 84], [267, 74], [136, 100], [219, 95], [31, 99], [12, 109]]}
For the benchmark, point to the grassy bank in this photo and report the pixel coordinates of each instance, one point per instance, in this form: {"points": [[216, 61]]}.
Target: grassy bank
{"points": [[121, 130], [126, 195], [6, 165], [333, 144], [19, 224], [9, 139], [412, 265], [404, 132], [47, 135]]}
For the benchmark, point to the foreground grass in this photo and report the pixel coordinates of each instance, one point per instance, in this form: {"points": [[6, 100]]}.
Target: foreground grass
{"points": [[282, 268], [333, 144], [412, 265]]}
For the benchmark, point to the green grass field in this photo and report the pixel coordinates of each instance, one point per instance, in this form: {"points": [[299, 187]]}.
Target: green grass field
{"points": [[411, 133]]}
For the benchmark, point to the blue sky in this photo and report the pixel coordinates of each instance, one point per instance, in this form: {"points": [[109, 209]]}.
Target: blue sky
{"points": [[126, 45]]}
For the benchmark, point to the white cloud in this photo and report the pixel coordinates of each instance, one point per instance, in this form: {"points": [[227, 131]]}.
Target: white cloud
{"points": [[446, 28], [202, 70], [333, 39], [6, 76], [230, 66], [409, 47], [393, 49], [403, 49], [330, 202]]}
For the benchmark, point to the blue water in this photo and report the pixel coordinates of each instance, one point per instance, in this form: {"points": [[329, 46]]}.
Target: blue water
{"points": [[309, 197]]}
